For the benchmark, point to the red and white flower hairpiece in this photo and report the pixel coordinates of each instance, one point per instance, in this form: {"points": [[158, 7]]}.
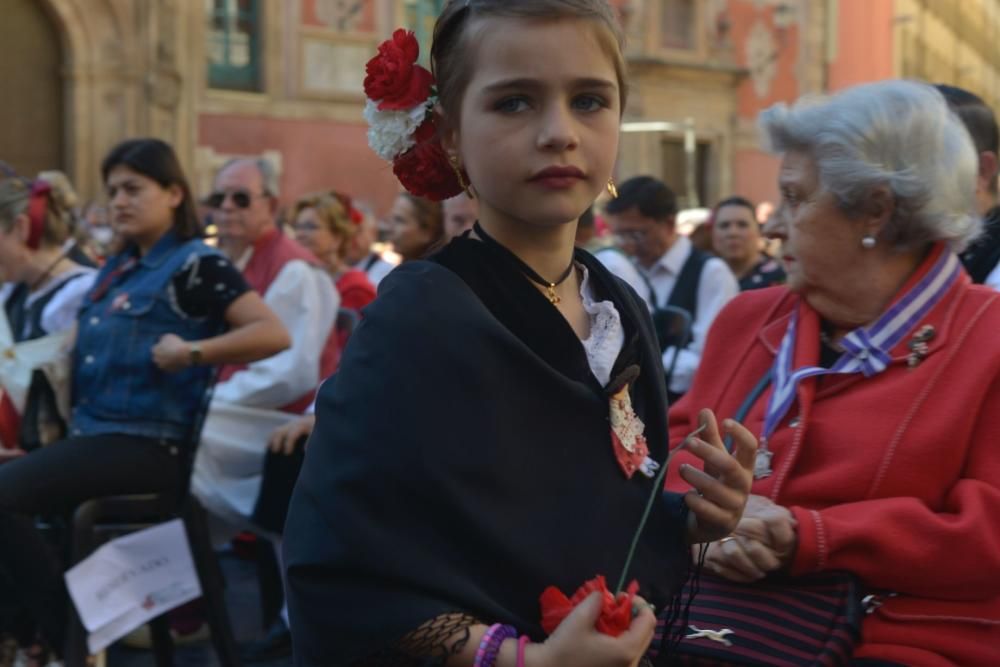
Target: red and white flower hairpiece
{"points": [[400, 114]]}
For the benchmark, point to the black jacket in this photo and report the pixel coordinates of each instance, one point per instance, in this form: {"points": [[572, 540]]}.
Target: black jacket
{"points": [[462, 462]]}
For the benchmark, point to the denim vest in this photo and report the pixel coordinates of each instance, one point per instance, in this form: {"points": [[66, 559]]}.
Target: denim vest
{"points": [[116, 386]]}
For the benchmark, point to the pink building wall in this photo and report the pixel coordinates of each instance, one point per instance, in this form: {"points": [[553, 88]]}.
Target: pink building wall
{"points": [[864, 52], [754, 171], [316, 154], [864, 44]]}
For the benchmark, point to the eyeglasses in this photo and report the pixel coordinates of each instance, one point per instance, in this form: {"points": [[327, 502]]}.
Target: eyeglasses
{"points": [[306, 227], [241, 198]]}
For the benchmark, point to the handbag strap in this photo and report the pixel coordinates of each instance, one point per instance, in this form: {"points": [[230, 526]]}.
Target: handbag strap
{"points": [[747, 403]]}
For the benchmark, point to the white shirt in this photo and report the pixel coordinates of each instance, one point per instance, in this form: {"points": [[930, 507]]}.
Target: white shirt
{"points": [[620, 265], [607, 335], [305, 300], [715, 288], [993, 280], [60, 313], [378, 270]]}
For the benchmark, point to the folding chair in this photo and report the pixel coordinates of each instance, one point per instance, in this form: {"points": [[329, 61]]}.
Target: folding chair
{"points": [[119, 515]]}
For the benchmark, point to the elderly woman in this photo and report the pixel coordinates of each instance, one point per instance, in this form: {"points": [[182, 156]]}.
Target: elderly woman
{"points": [[878, 452]]}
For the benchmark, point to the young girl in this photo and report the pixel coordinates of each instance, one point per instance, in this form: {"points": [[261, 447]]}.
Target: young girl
{"points": [[159, 314], [479, 443]]}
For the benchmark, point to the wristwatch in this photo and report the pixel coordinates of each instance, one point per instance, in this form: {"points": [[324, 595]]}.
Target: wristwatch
{"points": [[194, 354]]}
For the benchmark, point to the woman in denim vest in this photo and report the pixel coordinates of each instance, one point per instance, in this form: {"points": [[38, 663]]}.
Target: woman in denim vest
{"points": [[161, 313]]}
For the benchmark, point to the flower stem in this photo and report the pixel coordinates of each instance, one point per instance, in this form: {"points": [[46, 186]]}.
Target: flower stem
{"points": [[657, 491]]}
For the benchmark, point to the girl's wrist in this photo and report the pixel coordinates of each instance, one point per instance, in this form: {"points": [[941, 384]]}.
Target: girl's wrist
{"points": [[535, 655]]}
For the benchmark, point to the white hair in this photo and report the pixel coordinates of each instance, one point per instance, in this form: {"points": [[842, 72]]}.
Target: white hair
{"points": [[899, 134], [268, 174]]}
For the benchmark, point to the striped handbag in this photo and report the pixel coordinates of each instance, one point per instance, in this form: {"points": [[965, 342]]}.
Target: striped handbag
{"points": [[813, 620]]}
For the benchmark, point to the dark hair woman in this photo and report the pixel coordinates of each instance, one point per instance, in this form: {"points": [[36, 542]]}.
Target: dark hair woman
{"points": [[161, 312]]}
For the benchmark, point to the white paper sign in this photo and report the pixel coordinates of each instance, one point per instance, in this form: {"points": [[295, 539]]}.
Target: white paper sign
{"points": [[132, 579]]}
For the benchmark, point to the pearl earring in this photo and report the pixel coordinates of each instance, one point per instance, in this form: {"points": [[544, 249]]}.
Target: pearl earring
{"points": [[868, 242]]}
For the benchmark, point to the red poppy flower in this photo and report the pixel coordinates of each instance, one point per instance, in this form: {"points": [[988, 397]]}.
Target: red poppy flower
{"points": [[394, 80], [616, 612], [424, 170]]}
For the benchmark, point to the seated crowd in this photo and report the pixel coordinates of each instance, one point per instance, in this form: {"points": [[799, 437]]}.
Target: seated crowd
{"points": [[147, 318]]}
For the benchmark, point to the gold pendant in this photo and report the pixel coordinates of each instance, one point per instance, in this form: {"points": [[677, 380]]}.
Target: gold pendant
{"points": [[551, 294]]}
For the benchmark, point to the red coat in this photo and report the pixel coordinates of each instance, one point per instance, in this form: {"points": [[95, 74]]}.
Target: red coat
{"points": [[895, 478]]}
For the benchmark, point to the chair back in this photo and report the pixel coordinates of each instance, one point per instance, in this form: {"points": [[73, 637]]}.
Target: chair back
{"points": [[347, 320], [189, 447], [673, 329]]}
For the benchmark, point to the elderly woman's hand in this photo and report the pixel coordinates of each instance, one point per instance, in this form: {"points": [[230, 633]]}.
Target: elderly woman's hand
{"points": [[764, 541], [772, 524], [720, 492]]}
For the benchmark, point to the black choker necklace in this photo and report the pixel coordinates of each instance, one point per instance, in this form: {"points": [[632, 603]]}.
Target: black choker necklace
{"points": [[550, 287]]}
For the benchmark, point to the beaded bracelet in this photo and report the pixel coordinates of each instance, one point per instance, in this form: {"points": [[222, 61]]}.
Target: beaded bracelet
{"points": [[520, 649], [489, 647]]}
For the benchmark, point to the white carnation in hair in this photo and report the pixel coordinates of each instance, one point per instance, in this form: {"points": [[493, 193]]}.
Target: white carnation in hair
{"points": [[390, 133]]}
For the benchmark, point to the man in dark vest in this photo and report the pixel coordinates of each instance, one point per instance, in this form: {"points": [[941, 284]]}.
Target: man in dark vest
{"points": [[981, 259], [642, 218]]}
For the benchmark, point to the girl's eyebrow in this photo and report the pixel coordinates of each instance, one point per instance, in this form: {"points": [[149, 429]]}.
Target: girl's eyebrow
{"points": [[535, 84]]}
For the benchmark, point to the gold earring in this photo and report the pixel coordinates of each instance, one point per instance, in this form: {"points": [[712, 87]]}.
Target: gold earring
{"points": [[612, 188], [453, 161]]}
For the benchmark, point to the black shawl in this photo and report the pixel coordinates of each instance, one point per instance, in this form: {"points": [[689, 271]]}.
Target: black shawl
{"points": [[462, 462]]}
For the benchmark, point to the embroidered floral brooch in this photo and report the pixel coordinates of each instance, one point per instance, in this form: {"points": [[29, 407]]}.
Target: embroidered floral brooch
{"points": [[627, 437]]}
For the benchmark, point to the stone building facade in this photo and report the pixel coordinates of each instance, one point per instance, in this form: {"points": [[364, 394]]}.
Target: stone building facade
{"points": [[220, 78]]}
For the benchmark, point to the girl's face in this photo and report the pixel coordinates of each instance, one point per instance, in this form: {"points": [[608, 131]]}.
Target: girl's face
{"points": [[538, 130], [315, 235], [409, 238], [141, 209]]}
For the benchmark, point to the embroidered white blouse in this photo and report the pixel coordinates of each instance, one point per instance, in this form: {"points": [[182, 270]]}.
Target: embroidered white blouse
{"points": [[607, 335]]}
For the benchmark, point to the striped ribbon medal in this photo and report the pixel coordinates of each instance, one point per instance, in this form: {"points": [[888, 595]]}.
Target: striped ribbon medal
{"points": [[866, 349]]}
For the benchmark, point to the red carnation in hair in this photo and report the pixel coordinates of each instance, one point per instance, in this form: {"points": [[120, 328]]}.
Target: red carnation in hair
{"points": [[394, 79], [616, 612], [424, 170]]}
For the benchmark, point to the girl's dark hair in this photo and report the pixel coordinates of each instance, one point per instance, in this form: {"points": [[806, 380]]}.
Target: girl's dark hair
{"points": [[736, 200], [453, 69], [156, 160]]}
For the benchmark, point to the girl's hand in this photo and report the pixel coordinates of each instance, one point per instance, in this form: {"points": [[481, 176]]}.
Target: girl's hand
{"points": [[171, 353], [719, 492], [576, 642]]}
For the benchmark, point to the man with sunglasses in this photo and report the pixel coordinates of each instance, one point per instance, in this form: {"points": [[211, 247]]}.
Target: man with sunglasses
{"points": [[251, 399]]}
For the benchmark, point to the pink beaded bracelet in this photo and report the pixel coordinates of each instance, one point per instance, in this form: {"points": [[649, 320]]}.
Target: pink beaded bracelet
{"points": [[520, 649]]}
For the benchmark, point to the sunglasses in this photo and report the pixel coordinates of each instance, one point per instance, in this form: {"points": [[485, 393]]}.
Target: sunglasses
{"points": [[241, 198]]}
